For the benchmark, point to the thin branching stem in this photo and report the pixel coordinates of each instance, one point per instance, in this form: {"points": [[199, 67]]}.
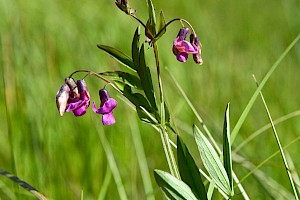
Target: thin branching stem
{"points": [[98, 76]]}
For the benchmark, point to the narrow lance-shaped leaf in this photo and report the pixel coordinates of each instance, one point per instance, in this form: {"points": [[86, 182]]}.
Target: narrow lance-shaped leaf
{"points": [[144, 110], [145, 77], [126, 78], [189, 171], [118, 55], [227, 149], [212, 162], [162, 26], [172, 187], [151, 23], [135, 48]]}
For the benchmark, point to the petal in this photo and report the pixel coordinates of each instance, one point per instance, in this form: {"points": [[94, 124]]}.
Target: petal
{"points": [[108, 119], [95, 108], [75, 105], [182, 57], [185, 46], [107, 107], [79, 111]]}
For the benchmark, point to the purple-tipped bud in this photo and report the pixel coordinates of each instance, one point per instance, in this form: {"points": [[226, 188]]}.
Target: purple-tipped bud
{"points": [[62, 97], [194, 40], [183, 33]]}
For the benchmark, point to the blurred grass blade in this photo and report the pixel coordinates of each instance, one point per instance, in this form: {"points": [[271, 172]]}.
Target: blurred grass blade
{"points": [[279, 144], [145, 77], [135, 46], [227, 159], [124, 77], [252, 136], [243, 116], [141, 158], [118, 55], [105, 185], [212, 162], [111, 160], [23, 184], [173, 188], [189, 171]]}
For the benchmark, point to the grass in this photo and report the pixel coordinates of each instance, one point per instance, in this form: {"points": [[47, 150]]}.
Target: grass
{"points": [[44, 41]]}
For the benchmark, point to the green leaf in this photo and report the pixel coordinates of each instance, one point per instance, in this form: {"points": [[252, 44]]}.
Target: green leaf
{"points": [[124, 77], [118, 55], [172, 187], [145, 77], [151, 23], [162, 26], [212, 162], [227, 159], [144, 110], [135, 48], [189, 171]]}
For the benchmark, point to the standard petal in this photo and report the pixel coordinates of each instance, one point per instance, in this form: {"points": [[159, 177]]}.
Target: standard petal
{"points": [[185, 46], [108, 119]]}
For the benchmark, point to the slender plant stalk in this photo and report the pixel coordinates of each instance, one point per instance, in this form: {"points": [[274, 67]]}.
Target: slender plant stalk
{"points": [[23, 184], [279, 144], [163, 131]]}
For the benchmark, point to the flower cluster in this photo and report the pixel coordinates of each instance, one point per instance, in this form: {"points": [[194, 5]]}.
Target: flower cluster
{"points": [[74, 97], [181, 47]]}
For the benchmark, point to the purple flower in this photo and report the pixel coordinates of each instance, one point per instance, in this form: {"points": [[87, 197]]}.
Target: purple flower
{"points": [[181, 47], [79, 103], [106, 107]]}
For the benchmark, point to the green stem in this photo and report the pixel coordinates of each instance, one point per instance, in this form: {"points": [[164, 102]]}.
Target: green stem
{"points": [[163, 132]]}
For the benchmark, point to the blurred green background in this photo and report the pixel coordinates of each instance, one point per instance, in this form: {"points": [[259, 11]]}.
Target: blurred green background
{"points": [[42, 42]]}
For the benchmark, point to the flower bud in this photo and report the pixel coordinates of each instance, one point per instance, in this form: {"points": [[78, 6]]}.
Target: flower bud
{"points": [[62, 97], [183, 33], [124, 6]]}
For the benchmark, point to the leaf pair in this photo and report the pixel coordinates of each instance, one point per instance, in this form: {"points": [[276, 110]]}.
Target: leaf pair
{"points": [[221, 175], [191, 185], [150, 30]]}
